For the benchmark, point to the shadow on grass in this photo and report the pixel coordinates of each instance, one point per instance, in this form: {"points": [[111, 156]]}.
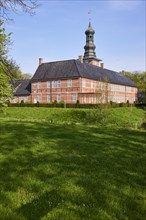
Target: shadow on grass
{"points": [[72, 172]]}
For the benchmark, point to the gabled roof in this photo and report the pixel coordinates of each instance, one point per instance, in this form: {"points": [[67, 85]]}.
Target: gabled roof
{"points": [[21, 87], [74, 69]]}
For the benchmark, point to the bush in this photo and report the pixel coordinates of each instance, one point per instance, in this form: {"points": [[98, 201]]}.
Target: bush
{"points": [[128, 103], [72, 105]]}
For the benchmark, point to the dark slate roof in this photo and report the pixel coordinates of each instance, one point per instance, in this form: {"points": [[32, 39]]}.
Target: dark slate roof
{"points": [[74, 69], [21, 87]]}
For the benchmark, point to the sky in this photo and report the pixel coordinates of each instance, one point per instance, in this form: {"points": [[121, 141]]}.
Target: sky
{"points": [[57, 32]]}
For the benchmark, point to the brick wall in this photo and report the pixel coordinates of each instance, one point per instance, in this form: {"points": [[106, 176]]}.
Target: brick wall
{"points": [[84, 90], [21, 98], [59, 90]]}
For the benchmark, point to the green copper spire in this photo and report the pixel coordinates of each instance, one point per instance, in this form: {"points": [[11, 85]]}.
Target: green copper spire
{"points": [[90, 46]]}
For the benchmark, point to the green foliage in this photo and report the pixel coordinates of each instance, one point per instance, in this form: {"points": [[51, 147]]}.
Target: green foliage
{"points": [[8, 68], [4, 43], [140, 80], [5, 90], [118, 117], [25, 76]]}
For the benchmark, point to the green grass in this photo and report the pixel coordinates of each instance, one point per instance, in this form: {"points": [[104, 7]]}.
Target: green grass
{"points": [[63, 170], [121, 117]]}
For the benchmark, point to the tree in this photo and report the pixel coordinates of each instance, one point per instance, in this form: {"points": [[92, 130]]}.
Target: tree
{"points": [[140, 80], [5, 74], [26, 76], [28, 6], [6, 90], [8, 68], [102, 91]]}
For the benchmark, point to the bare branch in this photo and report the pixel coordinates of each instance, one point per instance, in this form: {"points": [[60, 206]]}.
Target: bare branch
{"points": [[27, 6]]}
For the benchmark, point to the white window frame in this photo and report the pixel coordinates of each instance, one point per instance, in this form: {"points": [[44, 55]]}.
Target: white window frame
{"points": [[69, 83], [48, 84], [84, 100], [84, 83], [58, 97], [39, 85], [38, 97], [53, 84], [92, 84], [74, 97], [58, 83]]}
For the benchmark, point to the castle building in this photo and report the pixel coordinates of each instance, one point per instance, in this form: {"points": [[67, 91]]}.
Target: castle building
{"points": [[84, 79]]}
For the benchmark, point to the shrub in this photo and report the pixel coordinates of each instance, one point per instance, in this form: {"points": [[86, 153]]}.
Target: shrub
{"points": [[37, 104], [128, 103]]}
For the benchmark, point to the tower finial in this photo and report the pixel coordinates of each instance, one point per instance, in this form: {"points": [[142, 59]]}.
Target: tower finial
{"points": [[89, 13]]}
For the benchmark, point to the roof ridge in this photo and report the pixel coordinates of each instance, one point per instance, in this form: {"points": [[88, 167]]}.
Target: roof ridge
{"points": [[59, 61], [20, 80]]}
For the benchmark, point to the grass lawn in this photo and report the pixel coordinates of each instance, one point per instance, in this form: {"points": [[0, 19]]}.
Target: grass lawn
{"points": [[76, 171]]}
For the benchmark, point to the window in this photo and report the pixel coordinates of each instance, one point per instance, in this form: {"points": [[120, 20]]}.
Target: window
{"points": [[69, 83], [74, 97], [84, 83], [38, 97], [48, 84], [58, 84], [53, 84], [128, 89], [90, 37], [84, 99], [48, 98], [39, 85], [91, 99], [58, 97], [92, 84]]}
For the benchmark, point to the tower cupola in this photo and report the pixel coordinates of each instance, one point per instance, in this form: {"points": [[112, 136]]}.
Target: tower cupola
{"points": [[90, 29], [90, 54]]}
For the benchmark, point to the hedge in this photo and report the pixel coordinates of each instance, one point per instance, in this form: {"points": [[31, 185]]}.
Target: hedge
{"points": [[75, 105]]}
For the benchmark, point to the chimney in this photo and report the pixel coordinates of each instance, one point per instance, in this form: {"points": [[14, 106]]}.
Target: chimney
{"points": [[40, 61], [102, 65], [123, 72], [81, 58]]}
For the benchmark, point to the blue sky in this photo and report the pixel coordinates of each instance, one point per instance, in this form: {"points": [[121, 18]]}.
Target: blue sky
{"points": [[57, 32]]}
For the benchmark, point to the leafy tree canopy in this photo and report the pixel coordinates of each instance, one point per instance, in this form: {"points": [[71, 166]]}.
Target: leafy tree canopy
{"points": [[5, 67], [140, 80], [8, 68]]}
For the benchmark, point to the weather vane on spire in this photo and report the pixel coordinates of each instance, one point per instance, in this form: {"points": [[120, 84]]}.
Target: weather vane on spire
{"points": [[89, 13]]}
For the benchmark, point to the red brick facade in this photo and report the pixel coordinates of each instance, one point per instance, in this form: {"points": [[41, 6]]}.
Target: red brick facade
{"points": [[82, 89], [21, 98]]}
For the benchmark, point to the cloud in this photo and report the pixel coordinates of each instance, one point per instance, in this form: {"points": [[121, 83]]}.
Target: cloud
{"points": [[125, 4]]}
